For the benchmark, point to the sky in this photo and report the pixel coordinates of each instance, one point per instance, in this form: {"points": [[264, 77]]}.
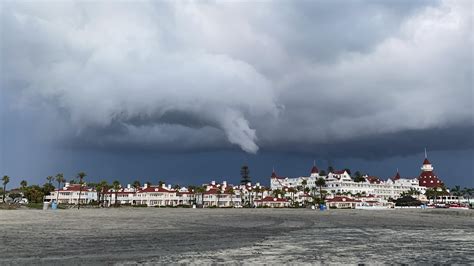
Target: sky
{"points": [[189, 91]]}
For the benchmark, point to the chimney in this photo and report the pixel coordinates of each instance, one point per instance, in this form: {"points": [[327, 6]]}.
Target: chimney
{"points": [[145, 185], [169, 187], [224, 183], [67, 184], [257, 184], [249, 184], [129, 186], [163, 185]]}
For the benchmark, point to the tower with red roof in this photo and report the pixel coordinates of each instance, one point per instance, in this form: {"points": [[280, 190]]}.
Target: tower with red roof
{"points": [[397, 176], [428, 178], [314, 170]]}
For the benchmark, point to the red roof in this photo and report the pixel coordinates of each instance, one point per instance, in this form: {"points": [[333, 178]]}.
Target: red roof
{"points": [[119, 192], [154, 189], [342, 199], [185, 192], [339, 172], [397, 176], [429, 179], [426, 161], [214, 191], [373, 179], [274, 174], [211, 191], [314, 170], [272, 199], [75, 187]]}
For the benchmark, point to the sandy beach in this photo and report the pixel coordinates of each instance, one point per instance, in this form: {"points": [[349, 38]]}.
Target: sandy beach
{"points": [[153, 236]]}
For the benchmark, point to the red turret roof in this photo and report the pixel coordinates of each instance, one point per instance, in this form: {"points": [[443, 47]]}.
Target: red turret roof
{"points": [[397, 176], [426, 161], [274, 175], [429, 179], [314, 170]]}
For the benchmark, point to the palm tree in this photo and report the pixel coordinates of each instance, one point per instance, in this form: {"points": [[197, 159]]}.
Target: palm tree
{"points": [[467, 192], [116, 187], [320, 182], [105, 188], [219, 193], [232, 193], [136, 184], [457, 192], [277, 192], [201, 190], [330, 169], [81, 176], [443, 192], [60, 179], [191, 188], [304, 183], [430, 193], [5, 180], [23, 184], [98, 190], [292, 194], [257, 190], [242, 198], [358, 177], [50, 179]]}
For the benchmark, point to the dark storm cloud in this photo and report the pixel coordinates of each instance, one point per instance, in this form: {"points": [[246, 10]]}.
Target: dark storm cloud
{"points": [[285, 76], [378, 147]]}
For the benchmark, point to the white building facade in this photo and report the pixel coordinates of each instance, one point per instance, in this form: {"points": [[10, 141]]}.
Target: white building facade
{"points": [[340, 182]]}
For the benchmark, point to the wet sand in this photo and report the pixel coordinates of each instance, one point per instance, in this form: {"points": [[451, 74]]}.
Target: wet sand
{"points": [[155, 236]]}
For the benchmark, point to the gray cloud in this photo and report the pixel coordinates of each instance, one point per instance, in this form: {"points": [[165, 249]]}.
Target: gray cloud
{"points": [[187, 76]]}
